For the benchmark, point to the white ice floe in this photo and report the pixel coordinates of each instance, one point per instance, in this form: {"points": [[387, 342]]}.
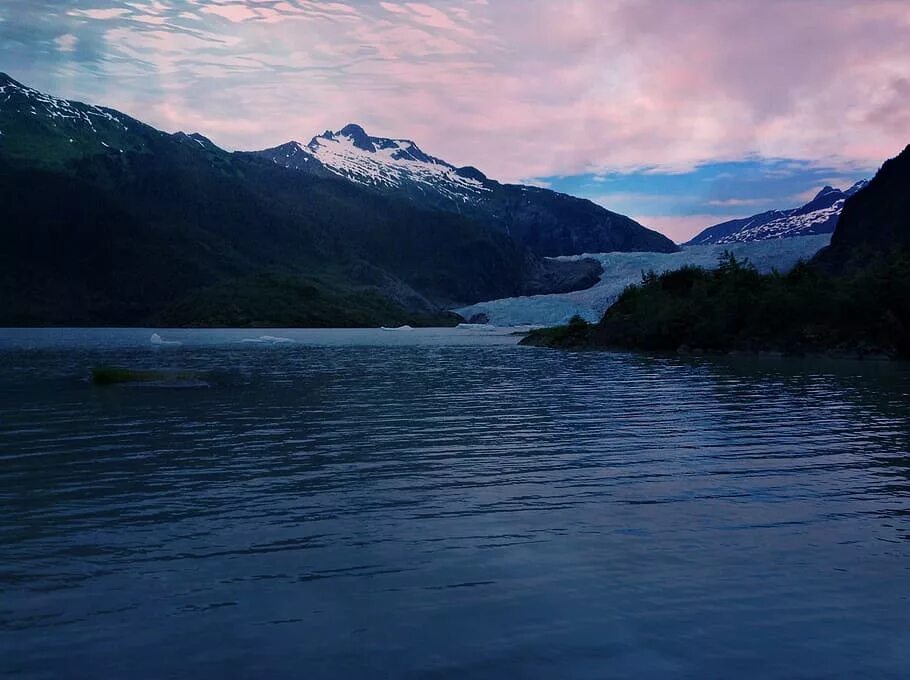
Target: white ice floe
{"points": [[158, 340]]}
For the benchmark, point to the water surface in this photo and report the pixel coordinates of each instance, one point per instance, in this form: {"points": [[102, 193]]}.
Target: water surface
{"points": [[443, 503]]}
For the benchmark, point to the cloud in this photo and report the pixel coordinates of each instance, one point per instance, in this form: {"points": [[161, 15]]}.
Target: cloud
{"points": [[100, 14], [681, 202], [519, 88], [737, 202], [67, 42], [235, 12]]}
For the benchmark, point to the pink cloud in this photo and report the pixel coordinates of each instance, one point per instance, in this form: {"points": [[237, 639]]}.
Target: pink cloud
{"points": [[430, 16], [531, 88], [236, 12]]}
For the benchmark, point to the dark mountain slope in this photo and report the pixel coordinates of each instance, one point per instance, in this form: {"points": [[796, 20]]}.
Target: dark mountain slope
{"points": [[107, 220], [875, 222], [548, 222]]}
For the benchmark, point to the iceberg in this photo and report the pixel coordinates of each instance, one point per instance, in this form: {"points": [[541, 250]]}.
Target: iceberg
{"points": [[623, 269], [157, 340]]}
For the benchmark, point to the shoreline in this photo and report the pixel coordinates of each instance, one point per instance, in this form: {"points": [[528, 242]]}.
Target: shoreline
{"points": [[536, 339]]}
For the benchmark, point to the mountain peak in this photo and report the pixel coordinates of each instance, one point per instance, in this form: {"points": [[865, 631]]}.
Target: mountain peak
{"points": [[827, 189], [196, 138], [471, 172], [6, 79], [353, 130], [358, 136], [290, 154], [856, 187], [292, 145]]}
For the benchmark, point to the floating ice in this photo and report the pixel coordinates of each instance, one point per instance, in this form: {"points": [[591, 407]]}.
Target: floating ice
{"points": [[158, 340]]}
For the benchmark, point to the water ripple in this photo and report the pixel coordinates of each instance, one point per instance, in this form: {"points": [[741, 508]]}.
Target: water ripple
{"points": [[382, 502]]}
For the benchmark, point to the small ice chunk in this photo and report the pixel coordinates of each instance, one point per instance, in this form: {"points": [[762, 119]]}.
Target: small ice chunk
{"points": [[158, 340]]}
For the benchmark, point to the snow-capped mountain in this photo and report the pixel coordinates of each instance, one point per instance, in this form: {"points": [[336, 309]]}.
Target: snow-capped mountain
{"points": [[382, 162], [818, 216], [68, 130], [548, 222]]}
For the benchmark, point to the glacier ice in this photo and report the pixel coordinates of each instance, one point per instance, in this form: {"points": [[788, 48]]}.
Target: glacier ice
{"points": [[622, 269]]}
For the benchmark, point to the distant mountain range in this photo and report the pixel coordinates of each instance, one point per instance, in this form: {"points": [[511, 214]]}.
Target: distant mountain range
{"points": [[107, 220], [818, 216], [547, 222]]}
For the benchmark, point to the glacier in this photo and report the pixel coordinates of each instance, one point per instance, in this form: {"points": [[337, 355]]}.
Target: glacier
{"points": [[622, 269]]}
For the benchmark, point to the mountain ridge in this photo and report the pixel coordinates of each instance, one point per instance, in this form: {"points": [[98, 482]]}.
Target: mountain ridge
{"points": [[548, 222], [818, 216]]}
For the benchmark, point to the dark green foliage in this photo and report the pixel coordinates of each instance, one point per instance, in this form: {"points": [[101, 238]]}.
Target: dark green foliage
{"points": [[278, 300], [736, 308], [577, 333]]}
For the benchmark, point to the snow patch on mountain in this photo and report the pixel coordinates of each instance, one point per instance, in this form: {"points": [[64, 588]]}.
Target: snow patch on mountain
{"points": [[818, 216], [14, 95], [380, 161], [784, 227], [623, 269]]}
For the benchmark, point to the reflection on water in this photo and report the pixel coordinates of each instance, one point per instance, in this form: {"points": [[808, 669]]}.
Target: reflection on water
{"points": [[444, 503]]}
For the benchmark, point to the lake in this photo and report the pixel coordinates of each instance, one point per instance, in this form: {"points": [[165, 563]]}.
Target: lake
{"points": [[446, 504]]}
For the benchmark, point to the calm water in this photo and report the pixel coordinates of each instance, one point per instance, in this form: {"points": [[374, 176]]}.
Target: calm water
{"points": [[369, 504]]}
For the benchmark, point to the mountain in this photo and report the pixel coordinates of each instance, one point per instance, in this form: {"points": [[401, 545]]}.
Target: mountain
{"points": [[818, 216], [108, 220], [875, 223], [548, 222]]}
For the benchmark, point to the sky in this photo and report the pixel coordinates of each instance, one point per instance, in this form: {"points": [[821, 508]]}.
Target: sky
{"points": [[679, 114]]}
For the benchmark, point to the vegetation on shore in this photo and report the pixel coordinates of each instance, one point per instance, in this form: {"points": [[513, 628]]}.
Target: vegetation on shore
{"points": [[275, 300], [735, 308]]}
